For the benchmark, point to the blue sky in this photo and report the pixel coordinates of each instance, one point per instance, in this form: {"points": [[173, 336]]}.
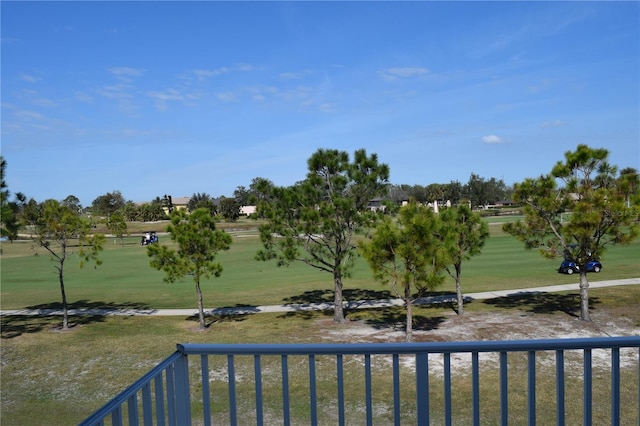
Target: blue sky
{"points": [[154, 98]]}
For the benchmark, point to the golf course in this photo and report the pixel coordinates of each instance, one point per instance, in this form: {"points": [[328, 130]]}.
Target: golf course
{"points": [[52, 377]]}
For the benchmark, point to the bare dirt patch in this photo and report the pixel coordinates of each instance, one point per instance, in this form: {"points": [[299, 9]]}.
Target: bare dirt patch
{"points": [[483, 326]]}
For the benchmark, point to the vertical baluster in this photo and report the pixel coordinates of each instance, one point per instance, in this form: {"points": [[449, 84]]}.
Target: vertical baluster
{"points": [[475, 387], [171, 395], [422, 388], [116, 416], [132, 407], [183, 395], [504, 390], [531, 409], [312, 390], [159, 395], [587, 389], [206, 393], [615, 386], [560, 387], [340, 377], [257, 368], [233, 412], [147, 411], [285, 391], [396, 389], [367, 387], [447, 389]]}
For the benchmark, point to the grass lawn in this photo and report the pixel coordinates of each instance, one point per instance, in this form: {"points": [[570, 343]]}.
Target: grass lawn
{"points": [[58, 378], [125, 278]]}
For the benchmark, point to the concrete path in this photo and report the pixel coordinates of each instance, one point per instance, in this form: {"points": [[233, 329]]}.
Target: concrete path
{"points": [[362, 304]]}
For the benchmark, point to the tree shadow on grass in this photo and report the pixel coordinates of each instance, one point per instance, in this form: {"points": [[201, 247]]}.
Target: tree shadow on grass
{"points": [[326, 296], [81, 312], [17, 325], [86, 305], [543, 303], [239, 312], [396, 318]]}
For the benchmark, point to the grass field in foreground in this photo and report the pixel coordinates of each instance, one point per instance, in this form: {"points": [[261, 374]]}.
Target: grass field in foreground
{"points": [[125, 278], [58, 378]]}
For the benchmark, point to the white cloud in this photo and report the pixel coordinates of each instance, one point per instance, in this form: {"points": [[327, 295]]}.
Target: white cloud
{"points": [[492, 139], [29, 78], [555, 123], [294, 75], [126, 71], [203, 74], [227, 97], [402, 72]]}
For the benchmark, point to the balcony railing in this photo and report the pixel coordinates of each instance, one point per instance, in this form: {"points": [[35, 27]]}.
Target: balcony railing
{"points": [[580, 381]]}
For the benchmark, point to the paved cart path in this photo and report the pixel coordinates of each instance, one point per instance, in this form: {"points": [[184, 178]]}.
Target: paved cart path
{"points": [[357, 304]]}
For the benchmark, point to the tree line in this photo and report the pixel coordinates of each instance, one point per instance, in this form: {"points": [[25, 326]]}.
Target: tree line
{"points": [[316, 220]]}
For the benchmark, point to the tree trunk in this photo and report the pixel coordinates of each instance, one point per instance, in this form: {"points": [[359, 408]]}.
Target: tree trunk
{"points": [[409, 325], [338, 311], [200, 306], [65, 317], [459, 290], [584, 296]]}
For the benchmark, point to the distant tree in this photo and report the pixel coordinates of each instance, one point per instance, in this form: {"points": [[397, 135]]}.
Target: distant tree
{"points": [[482, 192], [58, 230], [419, 193], [31, 212], [117, 225], [629, 182], [241, 195], [260, 193], [229, 209], [453, 191], [464, 234], [107, 204], [9, 223], [435, 192], [198, 242], [407, 254], [73, 203], [130, 211], [202, 201], [314, 221], [601, 211], [167, 203]]}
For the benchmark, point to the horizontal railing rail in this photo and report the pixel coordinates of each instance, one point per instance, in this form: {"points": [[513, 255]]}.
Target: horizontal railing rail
{"points": [[165, 396]]}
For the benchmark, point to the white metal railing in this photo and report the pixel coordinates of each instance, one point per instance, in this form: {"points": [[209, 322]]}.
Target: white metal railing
{"points": [[173, 393]]}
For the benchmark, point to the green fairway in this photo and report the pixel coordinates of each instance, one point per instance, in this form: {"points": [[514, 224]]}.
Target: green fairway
{"points": [[125, 278], [58, 378]]}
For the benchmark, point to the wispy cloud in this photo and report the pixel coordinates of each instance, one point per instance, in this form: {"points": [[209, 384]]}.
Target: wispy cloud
{"points": [[227, 97], [492, 139], [402, 72], [29, 78], [163, 97], [299, 75], [554, 123], [205, 74], [126, 72]]}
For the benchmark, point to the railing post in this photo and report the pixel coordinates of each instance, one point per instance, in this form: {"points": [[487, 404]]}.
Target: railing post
{"points": [[183, 397], [531, 388], [504, 390], [615, 386], [560, 388], [422, 388], [587, 388], [233, 402]]}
